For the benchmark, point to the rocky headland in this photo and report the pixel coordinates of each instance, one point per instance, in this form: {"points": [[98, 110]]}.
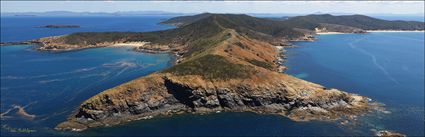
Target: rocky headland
{"points": [[226, 62], [226, 77]]}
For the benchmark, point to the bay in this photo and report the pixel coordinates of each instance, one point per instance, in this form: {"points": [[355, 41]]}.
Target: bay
{"points": [[387, 67]]}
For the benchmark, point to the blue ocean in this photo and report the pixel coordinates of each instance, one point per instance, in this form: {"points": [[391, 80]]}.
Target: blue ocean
{"points": [[387, 67]]}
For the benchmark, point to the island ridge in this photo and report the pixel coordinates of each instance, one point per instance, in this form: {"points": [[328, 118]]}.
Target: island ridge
{"points": [[225, 62]]}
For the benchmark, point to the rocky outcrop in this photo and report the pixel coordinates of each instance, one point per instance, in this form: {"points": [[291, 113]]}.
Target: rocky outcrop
{"points": [[224, 62], [385, 133], [166, 94], [238, 74]]}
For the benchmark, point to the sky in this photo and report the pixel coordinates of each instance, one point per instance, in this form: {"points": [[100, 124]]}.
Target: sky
{"points": [[297, 7]]}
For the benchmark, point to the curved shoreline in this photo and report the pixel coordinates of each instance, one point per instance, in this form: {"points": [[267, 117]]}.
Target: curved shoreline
{"points": [[368, 31], [264, 91], [253, 87], [395, 30]]}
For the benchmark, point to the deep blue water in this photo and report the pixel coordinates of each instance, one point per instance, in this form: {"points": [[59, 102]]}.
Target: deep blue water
{"points": [[52, 85], [25, 28], [388, 67]]}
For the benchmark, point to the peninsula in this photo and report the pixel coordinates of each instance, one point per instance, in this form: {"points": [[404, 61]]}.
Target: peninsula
{"points": [[225, 62]]}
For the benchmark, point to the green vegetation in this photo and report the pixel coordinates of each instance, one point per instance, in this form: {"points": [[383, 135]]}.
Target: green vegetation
{"points": [[243, 24], [185, 35], [206, 25], [211, 67], [262, 64], [186, 20], [92, 38], [358, 21], [201, 45]]}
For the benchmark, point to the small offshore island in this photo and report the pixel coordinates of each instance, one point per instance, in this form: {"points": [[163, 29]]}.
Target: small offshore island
{"points": [[58, 26], [225, 62]]}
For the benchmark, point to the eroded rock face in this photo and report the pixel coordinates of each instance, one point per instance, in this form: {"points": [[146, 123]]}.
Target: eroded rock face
{"points": [[165, 94], [225, 71]]}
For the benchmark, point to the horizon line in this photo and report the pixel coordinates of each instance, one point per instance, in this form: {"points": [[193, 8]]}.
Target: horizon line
{"points": [[170, 12]]}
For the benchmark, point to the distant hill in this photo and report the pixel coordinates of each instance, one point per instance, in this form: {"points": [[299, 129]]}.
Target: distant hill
{"points": [[193, 28], [313, 21], [202, 26], [185, 20], [82, 14], [357, 21]]}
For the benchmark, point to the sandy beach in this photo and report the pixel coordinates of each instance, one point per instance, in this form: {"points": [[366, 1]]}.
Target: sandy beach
{"points": [[395, 30], [329, 33], [333, 33], [130, 44]]}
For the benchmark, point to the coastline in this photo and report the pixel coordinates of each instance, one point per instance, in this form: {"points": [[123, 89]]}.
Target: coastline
{"points": [[330, 33], [133, 47], [206, 93], [384, 132], [130, 44], [395, 30], [367, 31]]}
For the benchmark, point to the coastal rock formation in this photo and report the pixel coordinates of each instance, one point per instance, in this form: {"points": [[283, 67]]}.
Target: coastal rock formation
{"points": [[166, 94], [225, 62], [225, 68]]}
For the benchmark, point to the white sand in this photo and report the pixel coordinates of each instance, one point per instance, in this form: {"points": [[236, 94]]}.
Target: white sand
{"points": [[332, 33], [130, 44], [395, 31], [329, 33]]}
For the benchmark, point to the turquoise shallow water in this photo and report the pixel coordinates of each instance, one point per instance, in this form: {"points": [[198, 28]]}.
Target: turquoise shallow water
{"points": [[52, 85], [387, 67]]}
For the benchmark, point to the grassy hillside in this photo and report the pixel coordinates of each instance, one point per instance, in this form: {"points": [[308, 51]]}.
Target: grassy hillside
{"points": [[195, 32], [227, 64], [211, 67], [358, 21], [190, 34], [245, 24], [186, 20]]}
